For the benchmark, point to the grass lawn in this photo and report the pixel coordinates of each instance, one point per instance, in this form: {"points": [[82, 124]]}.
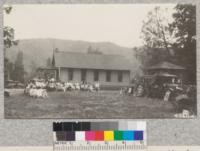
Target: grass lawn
{"points": [[78, 104]]}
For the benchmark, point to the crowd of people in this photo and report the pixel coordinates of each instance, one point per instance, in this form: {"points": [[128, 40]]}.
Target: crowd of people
{"points": [[40, 87]]}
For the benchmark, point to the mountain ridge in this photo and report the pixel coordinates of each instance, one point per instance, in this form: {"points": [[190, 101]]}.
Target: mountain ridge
{"points": [[37, 51]]}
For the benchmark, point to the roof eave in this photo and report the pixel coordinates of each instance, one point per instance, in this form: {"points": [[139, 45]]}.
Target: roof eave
{"points": [[56, 66]]}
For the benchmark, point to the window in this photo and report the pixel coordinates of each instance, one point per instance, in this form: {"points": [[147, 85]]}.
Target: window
{"points": [[120, 76], [108, 76], [70, 74], [96, 75], [83, 75]]}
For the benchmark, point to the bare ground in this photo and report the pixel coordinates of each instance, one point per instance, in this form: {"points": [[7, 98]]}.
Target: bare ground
{"points": [[78, 104]]}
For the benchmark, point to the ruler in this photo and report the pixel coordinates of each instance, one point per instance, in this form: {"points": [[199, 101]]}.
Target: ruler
{"points": [[150, 148], [100, 146]]}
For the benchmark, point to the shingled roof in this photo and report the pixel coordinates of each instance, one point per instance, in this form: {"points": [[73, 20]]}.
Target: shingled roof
{"points": [[91, 61], [165, 65]]}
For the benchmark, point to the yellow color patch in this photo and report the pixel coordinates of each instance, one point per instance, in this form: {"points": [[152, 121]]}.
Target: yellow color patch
{"points": [[108, 135]]}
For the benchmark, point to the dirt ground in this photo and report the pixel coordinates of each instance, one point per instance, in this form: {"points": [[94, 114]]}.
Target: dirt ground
{"points": [[78, 104]]}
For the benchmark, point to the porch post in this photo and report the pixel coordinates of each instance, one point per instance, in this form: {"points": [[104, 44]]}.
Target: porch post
{"points": [[58, 73], [55, 72]]}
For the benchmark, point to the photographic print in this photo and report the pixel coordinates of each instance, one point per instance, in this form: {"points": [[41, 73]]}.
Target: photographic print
{"points": [[97, 61]]}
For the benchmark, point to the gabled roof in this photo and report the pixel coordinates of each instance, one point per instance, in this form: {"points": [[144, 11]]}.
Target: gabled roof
{"points": [[90, 61], [165, 65]]}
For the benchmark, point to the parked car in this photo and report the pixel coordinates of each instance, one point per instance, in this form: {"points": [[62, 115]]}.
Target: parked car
{"points": [[10, 84]]}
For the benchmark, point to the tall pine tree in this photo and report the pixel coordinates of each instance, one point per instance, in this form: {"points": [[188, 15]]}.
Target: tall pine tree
{"points": [[18, 72]]}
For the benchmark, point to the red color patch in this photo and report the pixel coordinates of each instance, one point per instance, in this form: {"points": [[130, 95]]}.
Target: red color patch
{"points": [[99, 135]]}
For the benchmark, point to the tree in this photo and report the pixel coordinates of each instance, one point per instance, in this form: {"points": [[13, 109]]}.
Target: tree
{"points": [[156, 32], [8, 32], [157, 36], [8, 69], [49, 62], [7, 9], [180, 36], [184, 28], [184, 25], [150, 56], [8, 39], [33, 69], [18, 72]]}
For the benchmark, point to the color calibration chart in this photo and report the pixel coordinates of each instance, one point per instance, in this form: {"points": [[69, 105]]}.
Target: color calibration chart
{"points": [[100, 136]]}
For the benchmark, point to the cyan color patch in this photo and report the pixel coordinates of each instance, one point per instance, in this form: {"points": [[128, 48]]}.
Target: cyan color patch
{"points": [[128, 135]]}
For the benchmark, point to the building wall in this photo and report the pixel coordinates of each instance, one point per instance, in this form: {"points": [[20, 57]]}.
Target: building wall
{"points": [[77, 75], [102, 77], [89, 76], [64, 75]]}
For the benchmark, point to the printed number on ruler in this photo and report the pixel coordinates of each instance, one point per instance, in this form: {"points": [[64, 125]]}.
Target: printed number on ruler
{"points": [[99, 146]]}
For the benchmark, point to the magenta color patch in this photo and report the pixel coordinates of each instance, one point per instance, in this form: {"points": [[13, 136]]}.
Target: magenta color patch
{"points": [[90, 136]]}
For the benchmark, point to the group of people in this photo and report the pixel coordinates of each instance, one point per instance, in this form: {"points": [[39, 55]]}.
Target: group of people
{"points": [[39, 87], [70, 86], [133, 90], [36, 89]]}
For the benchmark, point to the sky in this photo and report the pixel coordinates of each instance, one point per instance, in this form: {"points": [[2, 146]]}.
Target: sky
{"points": [[117, 23]]}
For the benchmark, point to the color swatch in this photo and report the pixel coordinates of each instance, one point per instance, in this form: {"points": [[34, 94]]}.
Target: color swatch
{"points": [[99, 135], [96, 131], [119, 135], [108, 135]]}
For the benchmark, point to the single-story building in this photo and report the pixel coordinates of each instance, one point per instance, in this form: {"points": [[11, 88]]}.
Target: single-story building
{"points": [[109, 70], [166, 68]]}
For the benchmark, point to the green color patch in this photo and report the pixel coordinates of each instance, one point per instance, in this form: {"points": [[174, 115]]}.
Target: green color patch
{"points": [[118, 135]]}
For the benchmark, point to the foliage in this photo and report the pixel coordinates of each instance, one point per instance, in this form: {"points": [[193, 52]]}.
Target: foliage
{"points": [[8, 37], [8, 32], [156, 31], [157, 36], [184, 28], [49, 62], [7, 9], [18, 71], [14, 71], [150, 56], [170, 41], [33, 69], [184, 25]]}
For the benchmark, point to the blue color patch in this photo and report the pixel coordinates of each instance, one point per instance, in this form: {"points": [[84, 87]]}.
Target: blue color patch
{"points": [[128, 135], [138, 135]]}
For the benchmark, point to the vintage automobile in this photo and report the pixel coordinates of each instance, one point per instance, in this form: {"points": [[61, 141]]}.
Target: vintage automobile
{"points": [[10, 84], [155, 85], [170, 88]]}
